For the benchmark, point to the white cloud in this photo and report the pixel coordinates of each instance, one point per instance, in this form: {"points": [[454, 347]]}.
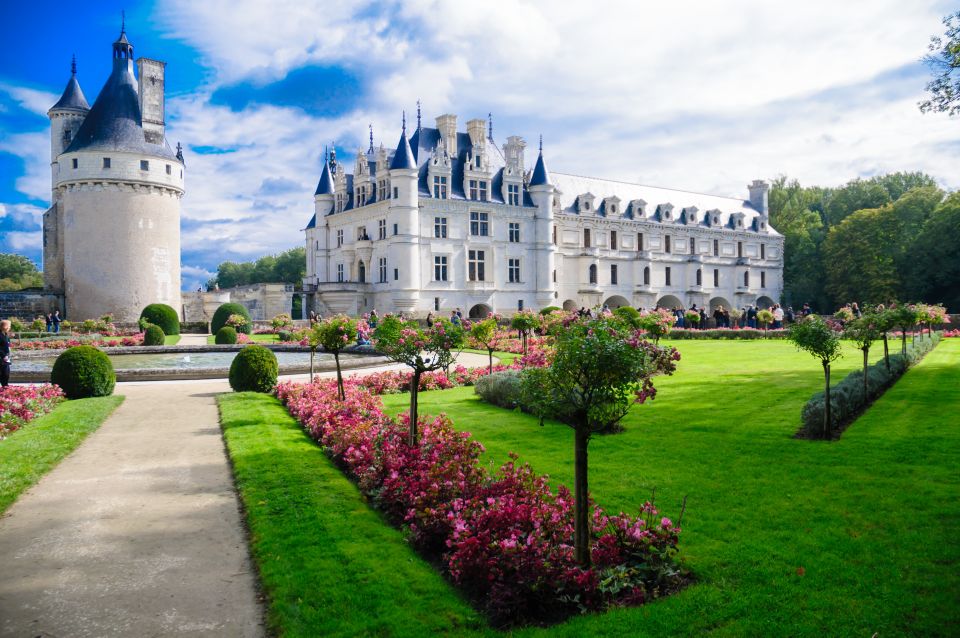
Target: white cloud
{"points": [[34, 150], [37, 102], [24, 241]]}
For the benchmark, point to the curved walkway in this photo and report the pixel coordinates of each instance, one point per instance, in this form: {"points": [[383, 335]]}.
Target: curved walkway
{"points": [[138, 532]]}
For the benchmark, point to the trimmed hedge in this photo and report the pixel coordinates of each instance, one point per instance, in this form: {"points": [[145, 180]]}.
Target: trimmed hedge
{"points": [[223, 313], [726, 333], [160, 314], [226, 336], [154, 336], [254, 369], [846, 397], [83, 371]]}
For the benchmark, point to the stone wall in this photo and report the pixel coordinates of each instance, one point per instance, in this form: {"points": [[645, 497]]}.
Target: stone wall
{"points": [[30, 305]]}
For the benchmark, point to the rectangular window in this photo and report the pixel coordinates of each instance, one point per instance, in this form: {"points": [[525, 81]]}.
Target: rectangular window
{"points": [[586, 238], [513, 271], [339, 238], [739, 249], [716, 278], [382, 229], [440, 186], [340, 272], [667, 244], [514, 232], [440, 268], [613, 274], [76, 162], [395, 231], [440, 227], [106, 162], [144, 165], [383, 270], [716, 247], [483, 191], [763, 251], [475, 265], [474, 189], [436, 304], [519, 304], [362, 233], [479, 224], [513, 195], [554, 275], [746, 280], [639, 241], [667, 276], [613, 240], [396, 192], [554, 231], [763, 279], [396, 274], [699, 277], [693, 246], [169, 170]]}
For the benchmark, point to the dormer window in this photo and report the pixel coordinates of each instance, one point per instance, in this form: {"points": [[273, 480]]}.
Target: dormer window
{"points": [[613, 209], [513, 194], [586, 205], [440, 186], [478, 190]]}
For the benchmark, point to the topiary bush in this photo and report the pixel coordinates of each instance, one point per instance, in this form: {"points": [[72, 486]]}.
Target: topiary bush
{"points": [[500, 388], [629, 315], [154, 336], [160, 314], [549, 309], [223, 313], [226, 336], [254, 369], [83, 371]]}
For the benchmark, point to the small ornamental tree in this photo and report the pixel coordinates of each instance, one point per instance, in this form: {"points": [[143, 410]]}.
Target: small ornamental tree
{"points": [[281, 322], [884, 320], [600, 368], [223, 313], [844, 315], [525, 322], [485, 334], [863, 332], [764, 318], [629, 315], [693, 318], [423, 350], [335, 334], [815, 336], [904, 317], [657, 323]]}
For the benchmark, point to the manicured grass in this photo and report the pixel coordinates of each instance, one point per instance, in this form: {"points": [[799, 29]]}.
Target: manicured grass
{"points": [[785, 536], [506, 358], [171, 340], [269, 338], [33, 451], [329, 564]]}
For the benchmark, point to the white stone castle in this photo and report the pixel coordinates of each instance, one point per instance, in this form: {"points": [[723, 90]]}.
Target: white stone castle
{"points": [[450, 220], [111, 238]]}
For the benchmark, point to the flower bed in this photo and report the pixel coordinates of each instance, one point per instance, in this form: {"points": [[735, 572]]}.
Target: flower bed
{"points": [[504, 537], [727, 333], [101, 342], [21, 404]]}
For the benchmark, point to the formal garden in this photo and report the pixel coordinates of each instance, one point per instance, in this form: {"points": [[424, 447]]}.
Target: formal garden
{"points": [[604, 475]]}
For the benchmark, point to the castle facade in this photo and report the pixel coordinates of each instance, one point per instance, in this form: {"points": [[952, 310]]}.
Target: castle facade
{"points": [[452, 220], [111, 237]]}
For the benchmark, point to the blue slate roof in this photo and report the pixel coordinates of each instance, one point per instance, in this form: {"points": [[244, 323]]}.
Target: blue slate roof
{"points": [[313, 222], [114, 122], [403, 158], [540, 176], [325, 185], [73, 97]]}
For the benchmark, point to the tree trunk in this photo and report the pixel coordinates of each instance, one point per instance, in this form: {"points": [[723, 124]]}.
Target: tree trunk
{"points": [[903, 341], [490, 364], [581, 517], [311, 364], [336, 358], [826, 396], [866, 363], [886, 351], [414, 388], [524, 339]]}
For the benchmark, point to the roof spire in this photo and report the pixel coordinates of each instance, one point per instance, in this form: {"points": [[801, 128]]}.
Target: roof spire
{"points": [[179, 152], [418, 114], [73, 65], [370, 150], [490, 126], [540, 176], [541, 142], [123, 21], [404, 122]]}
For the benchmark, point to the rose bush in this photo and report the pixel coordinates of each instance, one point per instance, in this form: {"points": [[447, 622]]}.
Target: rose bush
{"points": [[20, 404]]}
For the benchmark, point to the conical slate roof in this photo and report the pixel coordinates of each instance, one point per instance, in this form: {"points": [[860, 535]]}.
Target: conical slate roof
{"points": [[114, 122], [313, 222], [403, 158], [540, 175], [73, 97], [325, 186]]}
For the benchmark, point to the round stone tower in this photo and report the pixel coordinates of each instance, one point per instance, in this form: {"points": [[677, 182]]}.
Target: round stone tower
{"points": [[115, 218]]}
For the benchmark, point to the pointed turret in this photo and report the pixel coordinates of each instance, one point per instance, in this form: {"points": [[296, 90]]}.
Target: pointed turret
{"points": [[72, 98], [325, 185], [403, 158], [540, 175]]}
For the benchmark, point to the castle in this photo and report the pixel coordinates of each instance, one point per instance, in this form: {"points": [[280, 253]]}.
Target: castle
{"points": [[111, 237], [450, 220]]}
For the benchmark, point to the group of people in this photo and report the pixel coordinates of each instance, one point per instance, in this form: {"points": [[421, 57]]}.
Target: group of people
{"points": [[4, 353], [53, 321]]}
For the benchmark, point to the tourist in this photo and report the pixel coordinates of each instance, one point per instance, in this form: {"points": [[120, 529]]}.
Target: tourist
{"points": [[790, 315], [4, 353], [372, 322], [56, 321], [752, 316], [459, 315], [361, 339], [429, 319], [454, 318], [718, 316], [49, 318], [777, 317], [806, 311], [856, 310], [703, 319]]}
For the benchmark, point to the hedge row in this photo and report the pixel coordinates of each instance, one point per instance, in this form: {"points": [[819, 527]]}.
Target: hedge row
{"points": [[726, 333], [847, 399]]}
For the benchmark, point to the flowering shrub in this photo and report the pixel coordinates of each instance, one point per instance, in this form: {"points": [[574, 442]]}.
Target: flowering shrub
{"points": [[22, 403], [60, 344], [951, 333], [506, 538]]}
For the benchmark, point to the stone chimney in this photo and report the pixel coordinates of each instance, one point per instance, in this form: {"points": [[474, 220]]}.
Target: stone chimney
{"points": [[759, 196], [447, 125], [513, 153], [477, 130], [150, 78]]}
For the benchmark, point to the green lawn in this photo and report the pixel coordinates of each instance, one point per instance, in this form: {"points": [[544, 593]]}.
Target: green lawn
{"points": [[33, 451], [269, 338], [784, 536], [171, 340], [506, 358]]}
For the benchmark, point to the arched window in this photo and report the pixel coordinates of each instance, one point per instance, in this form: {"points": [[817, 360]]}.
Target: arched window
{"points": [[593, 273], [699, 277], [646, 276]]}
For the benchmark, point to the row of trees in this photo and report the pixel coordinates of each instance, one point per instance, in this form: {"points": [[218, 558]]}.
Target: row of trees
{"points": [[287, 267], [887, 237], [17, 272]]}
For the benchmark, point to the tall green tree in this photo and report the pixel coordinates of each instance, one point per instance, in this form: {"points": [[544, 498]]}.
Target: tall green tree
{"points": [[944, 61], [288, 267], [18, 272], [933, 269], [858, 262], [814, 336]]}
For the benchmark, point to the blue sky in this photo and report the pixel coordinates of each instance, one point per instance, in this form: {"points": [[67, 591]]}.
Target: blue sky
{"points": [[705, 96]]}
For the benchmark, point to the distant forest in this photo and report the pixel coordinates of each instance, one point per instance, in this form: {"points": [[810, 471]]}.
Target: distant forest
{"points": [[288, 267]]}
